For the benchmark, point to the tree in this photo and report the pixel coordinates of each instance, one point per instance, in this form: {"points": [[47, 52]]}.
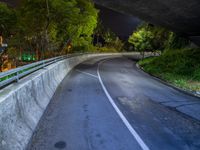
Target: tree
{"points": [[48, 26], [142, 40], [7, 20], [176, 41], [149, 37], [161, 36], [109, 36], [87, 22]]}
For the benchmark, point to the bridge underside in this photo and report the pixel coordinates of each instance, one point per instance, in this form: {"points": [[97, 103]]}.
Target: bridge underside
{"points": [[181, 16]]}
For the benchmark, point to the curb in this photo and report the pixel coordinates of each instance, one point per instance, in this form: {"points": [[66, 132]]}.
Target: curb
{"points": [[169, 84]]}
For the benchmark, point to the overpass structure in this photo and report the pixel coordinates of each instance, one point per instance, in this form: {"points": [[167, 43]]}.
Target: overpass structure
{"points": [[181, 16]]}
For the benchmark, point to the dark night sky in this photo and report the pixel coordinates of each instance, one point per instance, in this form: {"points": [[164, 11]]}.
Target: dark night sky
{"points": [[122, 25]]}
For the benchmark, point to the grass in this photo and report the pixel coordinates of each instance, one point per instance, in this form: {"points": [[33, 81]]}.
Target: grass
{"points": [[179, 67]]}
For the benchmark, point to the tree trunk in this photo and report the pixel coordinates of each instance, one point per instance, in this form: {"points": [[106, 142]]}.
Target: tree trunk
{"points": [[47, 26]]}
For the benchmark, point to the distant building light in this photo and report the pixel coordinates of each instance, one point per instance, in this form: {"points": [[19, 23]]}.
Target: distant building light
{"points": [[4, 45], [1, 40]]}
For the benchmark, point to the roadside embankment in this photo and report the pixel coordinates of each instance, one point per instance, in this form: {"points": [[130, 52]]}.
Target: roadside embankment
{"points": [[180, 68]]}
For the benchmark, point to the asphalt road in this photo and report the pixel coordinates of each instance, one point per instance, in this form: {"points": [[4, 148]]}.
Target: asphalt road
{"points": [[109, 104]]}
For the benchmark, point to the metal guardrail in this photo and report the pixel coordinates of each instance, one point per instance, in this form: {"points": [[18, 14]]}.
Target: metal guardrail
{"points": [[15, 74]]}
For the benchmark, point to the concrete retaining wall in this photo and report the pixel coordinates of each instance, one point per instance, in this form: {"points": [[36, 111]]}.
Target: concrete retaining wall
{"points": [[22, 104]]}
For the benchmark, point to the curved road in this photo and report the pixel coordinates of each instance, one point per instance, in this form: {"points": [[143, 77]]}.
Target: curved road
{"points": [[109, 104]]}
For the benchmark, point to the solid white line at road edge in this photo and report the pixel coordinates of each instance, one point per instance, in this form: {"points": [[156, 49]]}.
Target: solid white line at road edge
{"points": [[125, 121]]}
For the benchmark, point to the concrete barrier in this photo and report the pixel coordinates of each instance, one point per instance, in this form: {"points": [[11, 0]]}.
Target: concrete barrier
{"points": [[22, 104]]}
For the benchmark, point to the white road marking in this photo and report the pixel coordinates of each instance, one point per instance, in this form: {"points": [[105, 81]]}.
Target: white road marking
{"points": [[86, 73], [125, 121]]}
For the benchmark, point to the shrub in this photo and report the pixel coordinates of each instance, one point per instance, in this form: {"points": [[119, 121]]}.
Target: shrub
{"points": [[179, 66]]}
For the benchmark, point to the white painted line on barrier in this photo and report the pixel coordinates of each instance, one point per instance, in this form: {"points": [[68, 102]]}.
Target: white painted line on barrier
{"points": [[86, 73], [125, 121]]}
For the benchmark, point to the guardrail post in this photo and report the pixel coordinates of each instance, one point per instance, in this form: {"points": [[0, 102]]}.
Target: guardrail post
{"points": [[17, 76], [43, 64]]}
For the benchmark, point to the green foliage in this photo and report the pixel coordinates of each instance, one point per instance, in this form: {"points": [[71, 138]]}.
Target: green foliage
{"points": [[109, 36], [176, 42], [118, 45], [111, 41], [142, 40], [151, 38], [50, 25], [181, 67], [12, 52], [160, 37], [178, 64], [81, 35], [7, 19]]}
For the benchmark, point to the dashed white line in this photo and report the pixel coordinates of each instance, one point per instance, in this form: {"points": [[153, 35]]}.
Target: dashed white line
{"points": [[125, 121], [86, 73]]}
